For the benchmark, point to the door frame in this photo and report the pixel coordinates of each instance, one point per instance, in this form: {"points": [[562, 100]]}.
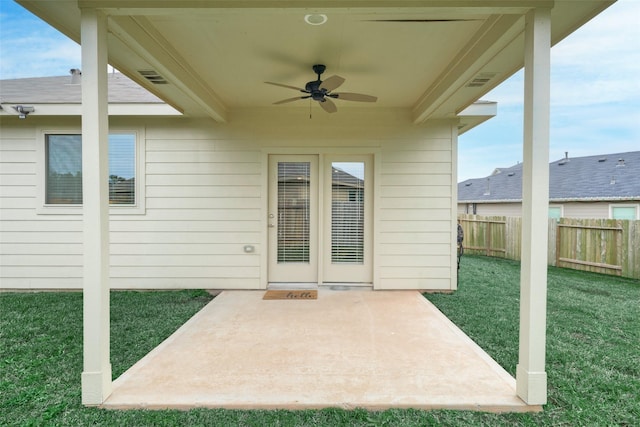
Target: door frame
{"points": [[347, 273], [338, 154]]}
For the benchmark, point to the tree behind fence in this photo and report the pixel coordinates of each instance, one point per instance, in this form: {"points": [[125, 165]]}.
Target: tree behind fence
{"points": [[599, 245]]}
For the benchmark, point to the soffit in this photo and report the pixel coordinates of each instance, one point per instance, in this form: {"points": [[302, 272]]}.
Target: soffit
{"points": [[433, 58]]}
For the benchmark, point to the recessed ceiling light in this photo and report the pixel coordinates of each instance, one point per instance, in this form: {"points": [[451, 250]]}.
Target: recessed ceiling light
{"points": [[315, 19]]}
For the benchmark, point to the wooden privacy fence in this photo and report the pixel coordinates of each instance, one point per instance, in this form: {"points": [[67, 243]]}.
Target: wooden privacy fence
{"points": [[599, 245]]}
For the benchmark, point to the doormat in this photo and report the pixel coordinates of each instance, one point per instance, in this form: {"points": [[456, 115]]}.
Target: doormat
{"points": [[291, 294]]}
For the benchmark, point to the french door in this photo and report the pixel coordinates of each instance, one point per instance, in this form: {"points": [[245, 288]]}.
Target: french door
{"points": [[293, 219], [347, 225], [320, 222]]}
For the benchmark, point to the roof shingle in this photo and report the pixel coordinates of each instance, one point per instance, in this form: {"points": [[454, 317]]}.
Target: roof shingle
{"points": [[59, 90], [604, 177]]}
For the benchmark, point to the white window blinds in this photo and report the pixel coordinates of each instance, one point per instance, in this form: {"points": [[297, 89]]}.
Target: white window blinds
{"points": [[347, 213], [122, 169], [63, 154], [293, 211]]}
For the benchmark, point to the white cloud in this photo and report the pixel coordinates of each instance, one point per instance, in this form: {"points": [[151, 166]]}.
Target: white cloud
{"points": [[31, 48], [595, 98]]}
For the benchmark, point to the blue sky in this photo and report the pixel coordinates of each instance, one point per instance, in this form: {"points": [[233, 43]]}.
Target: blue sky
{"points": [[595, 87]]}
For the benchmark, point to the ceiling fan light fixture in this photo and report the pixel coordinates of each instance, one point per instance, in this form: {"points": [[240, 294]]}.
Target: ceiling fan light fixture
{"points": [[315, 18]]}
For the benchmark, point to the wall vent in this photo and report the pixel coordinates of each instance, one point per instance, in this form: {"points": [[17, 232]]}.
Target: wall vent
{"points": [[481, 79], [153, 76]]}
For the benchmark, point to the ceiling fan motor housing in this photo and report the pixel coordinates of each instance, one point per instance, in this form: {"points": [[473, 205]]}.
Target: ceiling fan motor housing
{"points": [[313, 88]]}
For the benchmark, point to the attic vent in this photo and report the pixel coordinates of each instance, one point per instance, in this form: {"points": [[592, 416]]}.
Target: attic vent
{"points": [[511, 174], [620, 163], [153, 77], [602, 159], [562, 163], [481, 79], [467, 184]]}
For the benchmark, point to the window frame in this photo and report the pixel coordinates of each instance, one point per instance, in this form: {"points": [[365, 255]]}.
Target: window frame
{"points": [[635, 206], [42, 208]]}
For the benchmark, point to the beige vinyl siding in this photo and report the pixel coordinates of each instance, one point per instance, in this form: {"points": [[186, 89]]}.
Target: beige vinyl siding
{"points": [[578, 210], [206, 199], [34, 252], [586, 210], [415, 213], [203, 205]]}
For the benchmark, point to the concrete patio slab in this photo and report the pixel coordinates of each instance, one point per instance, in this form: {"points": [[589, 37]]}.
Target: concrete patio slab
{"points": [[347, 349]]}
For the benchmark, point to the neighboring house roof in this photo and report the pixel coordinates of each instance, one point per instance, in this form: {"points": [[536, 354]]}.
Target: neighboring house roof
{"points": [[603, 177], [60, 90]]}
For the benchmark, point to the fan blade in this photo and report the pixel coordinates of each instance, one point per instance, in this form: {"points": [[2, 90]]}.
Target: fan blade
{"points": [[284, 101], [287, 86], [331, 83], [347, 96], [328, 106]]}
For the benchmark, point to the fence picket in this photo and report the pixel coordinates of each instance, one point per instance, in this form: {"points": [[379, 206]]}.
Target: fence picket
{"points": [[598, 245]]}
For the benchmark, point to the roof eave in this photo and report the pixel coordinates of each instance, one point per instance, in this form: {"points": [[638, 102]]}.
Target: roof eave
{"points": [[476, 114], [75, 109]]}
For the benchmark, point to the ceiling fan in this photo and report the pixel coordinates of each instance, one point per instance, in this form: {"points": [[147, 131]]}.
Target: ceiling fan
{"points": [[322, 91]]}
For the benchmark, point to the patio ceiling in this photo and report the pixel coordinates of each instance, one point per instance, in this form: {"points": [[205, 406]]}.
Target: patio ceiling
{"points": [[433, 58]]}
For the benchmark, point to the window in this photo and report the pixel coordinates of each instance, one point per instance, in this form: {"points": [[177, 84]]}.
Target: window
{"points": [[555, 212], [122, 169], [624, 212], [63, 163], [63, 172]]}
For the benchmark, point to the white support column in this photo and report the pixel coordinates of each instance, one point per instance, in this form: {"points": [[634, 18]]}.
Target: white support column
{"points": [[96, 375], [531, 377]]}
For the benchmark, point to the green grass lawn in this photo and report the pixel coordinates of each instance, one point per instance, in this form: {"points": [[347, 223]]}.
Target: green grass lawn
{"points": [[593, 353]]}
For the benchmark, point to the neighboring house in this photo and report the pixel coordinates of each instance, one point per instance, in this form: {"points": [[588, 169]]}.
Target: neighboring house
{"points": [[209, 207], [602, 186]]}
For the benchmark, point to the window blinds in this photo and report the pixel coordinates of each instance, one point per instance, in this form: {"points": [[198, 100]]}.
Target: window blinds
{"points": [[293, 212], [347, 213], [122, 167], [64, 169]]}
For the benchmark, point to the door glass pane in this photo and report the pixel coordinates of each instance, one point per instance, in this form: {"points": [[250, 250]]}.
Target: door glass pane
{"points": [[347, 213], [293, 211]]}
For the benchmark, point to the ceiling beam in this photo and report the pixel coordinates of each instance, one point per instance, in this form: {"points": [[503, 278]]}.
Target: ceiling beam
{"points": [[496, 33], [496, 6], [143, 39]]}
